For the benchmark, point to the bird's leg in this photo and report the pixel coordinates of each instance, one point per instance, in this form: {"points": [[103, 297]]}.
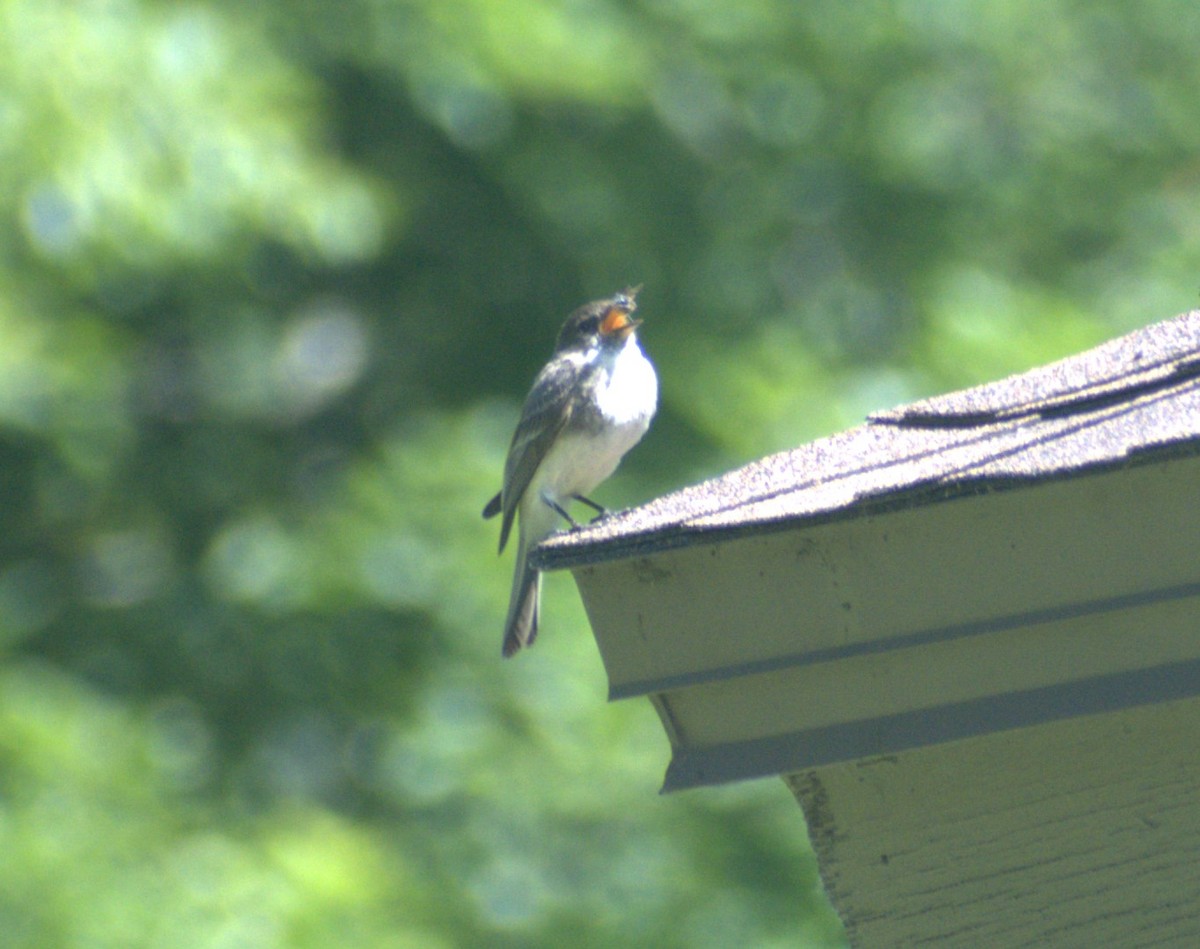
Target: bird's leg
{"points": [[601, 512], [562, 512]]}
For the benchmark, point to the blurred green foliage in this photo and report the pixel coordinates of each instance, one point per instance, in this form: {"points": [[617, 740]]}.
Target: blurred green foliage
{"points": [[274, 280]]}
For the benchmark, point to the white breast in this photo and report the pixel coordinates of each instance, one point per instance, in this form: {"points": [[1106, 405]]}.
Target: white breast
{"points": [[578, 461], [631, 395]]}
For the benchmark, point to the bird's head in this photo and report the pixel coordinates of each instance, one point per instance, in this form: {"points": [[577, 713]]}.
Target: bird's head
{"points": [[605, 321]]}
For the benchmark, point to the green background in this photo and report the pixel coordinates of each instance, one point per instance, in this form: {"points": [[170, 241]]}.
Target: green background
{"points": [[274, 278]]}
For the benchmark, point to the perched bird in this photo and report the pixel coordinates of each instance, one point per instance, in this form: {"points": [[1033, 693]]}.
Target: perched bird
{"points": [[589, 405]]}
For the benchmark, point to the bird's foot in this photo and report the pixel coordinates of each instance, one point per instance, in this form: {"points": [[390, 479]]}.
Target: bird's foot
{"points": [[601, 511], [562, 512]]}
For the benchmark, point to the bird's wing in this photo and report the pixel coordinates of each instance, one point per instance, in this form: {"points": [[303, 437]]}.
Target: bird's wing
{"points": [[546, 411]]}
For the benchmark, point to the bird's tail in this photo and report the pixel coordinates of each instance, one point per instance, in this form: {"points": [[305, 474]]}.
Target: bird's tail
{"points": [[521, 627]]}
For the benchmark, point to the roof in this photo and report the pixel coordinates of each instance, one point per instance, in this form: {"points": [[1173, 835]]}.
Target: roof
{"points": [[1133, 399]]}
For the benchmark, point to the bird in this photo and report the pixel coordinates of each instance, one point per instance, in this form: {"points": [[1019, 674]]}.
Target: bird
{"points": [[590, 404]]}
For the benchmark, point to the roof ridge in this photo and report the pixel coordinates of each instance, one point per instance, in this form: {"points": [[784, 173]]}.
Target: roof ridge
{"points": [[1114, 371], [1123, 386]]}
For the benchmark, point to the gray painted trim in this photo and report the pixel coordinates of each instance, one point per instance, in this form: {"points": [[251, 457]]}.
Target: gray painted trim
{"points": [[782, 754], [922, 637]]}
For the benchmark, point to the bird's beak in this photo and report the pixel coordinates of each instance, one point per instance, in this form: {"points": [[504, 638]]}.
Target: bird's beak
{"points": [[617, 320]]}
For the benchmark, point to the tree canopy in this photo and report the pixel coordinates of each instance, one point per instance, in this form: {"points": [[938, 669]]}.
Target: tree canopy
{"points": [[275, 279]]}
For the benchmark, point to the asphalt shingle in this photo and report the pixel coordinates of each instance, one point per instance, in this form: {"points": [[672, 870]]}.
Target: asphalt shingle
{"points": [[1127, 401]]}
